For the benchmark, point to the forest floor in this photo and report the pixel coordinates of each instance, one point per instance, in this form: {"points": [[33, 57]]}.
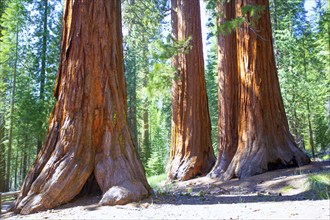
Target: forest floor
{"points": [[295, 193]]}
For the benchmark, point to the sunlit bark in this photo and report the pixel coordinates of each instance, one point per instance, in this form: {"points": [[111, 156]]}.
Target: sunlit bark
{"points": [[191, 148], [88, 132]]}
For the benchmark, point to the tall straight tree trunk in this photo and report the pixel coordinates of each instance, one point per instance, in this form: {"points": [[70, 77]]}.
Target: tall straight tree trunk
{"points": [[191, 147], [25, 156], [2, 154], [145, 139], [16, 176], [43, 70], [88, 131], [132, 110], [310, 130], [132, 117], [264, 142], [133, 106], [227, 90], [12, 109], [2, 121]]}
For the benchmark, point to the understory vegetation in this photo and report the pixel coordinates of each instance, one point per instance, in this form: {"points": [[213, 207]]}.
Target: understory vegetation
{"points": [[29, 58]]}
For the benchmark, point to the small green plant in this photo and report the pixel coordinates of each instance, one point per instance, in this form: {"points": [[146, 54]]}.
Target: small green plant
{"points": [[201, 193], [287, 188], [155, 180], [241, 200], [165, 190], [326, 157], [320, 185]]}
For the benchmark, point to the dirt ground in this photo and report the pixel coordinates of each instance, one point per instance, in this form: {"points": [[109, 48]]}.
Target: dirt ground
{"points": [[281, 194]]}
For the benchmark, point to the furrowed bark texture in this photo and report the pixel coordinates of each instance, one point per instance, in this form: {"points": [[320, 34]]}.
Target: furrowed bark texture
{"points": [[88, 131], [264, 142], [227, 90], [191, 149]]}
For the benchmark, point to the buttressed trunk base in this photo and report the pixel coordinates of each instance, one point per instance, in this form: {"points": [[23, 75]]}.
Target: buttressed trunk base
{"points": [[191, 147], [264, 141], [88, 131]]}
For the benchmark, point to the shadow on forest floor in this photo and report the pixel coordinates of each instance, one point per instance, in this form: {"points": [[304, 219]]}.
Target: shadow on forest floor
{"points": [[310, 182], [294, 184]]}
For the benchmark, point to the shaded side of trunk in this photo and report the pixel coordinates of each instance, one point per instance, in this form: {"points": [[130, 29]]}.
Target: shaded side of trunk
{"points": [[227, 90], [265, 142], [191, 148], [88, 130]]}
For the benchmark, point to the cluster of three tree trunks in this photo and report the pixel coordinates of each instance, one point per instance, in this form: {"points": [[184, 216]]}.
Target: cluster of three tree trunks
{"points": [[89, 138], [253, 135]]}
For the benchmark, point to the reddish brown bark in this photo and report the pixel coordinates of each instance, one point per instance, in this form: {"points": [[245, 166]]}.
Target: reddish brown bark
{"points": [[264, 142], [191, 149], [227, 90], [88, 131]]}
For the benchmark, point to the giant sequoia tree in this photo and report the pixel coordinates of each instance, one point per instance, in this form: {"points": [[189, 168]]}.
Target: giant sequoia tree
{"points": [[191, 148], [264, 141], [227, 89], [88, 141]]}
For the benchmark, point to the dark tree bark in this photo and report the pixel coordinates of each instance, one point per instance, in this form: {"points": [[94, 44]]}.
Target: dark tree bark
{"points": [[88, 132], [227, 90], [264, 142], [191, 148]]}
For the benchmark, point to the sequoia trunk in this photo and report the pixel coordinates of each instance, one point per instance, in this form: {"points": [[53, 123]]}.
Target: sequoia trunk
{"points": [[227, 89], [264, 142], [191, 149], [88, 133]]}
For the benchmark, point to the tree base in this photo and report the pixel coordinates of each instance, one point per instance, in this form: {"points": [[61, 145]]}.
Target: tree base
{"points": [[245, 165], [190, 168], [125, 193]]}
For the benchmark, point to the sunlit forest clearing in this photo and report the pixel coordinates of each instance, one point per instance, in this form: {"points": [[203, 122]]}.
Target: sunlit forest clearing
{"points": [[148, 105]]}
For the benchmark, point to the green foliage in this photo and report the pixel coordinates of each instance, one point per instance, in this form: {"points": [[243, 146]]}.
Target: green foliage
{"points": [[155, 180], [227, 27], [155, 164], [211, 78], [22, 31], [320, 185], [253, 12], [250, 15], [300, 46], [148, 76]]}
